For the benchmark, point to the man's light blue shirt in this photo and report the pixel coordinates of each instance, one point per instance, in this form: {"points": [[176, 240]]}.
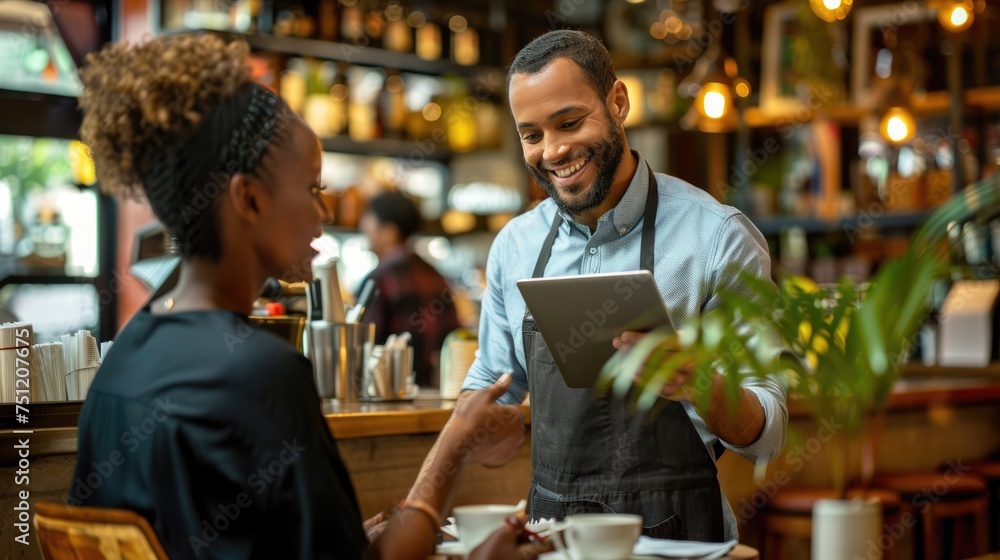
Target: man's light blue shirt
{"points": [[698, 240]]}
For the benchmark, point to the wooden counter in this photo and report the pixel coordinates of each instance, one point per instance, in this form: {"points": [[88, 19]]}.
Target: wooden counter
{"points": [[425, 415], [920, 387], [936, 415]]}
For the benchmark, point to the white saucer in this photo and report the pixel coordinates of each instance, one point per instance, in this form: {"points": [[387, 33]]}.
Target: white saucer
{"points": [[451, 548]]}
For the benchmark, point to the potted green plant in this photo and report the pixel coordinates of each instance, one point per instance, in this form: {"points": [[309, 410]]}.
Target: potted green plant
{"points": [[838, 350]]}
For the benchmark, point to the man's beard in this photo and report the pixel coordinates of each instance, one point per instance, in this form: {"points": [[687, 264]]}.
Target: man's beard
{"points": [[605, 155]]}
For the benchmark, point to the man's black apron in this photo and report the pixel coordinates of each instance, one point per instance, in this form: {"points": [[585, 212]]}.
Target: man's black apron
{"points": [[590, 455]]}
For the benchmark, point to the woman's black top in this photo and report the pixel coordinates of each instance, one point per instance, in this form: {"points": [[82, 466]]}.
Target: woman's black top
{"points": [[211, 429]]}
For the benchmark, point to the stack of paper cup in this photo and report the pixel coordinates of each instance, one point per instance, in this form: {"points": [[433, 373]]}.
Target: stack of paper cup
{"points": [[457, 355]]}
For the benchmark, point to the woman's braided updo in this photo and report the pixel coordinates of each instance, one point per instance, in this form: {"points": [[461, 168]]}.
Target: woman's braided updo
{"points": [[173, 118]]}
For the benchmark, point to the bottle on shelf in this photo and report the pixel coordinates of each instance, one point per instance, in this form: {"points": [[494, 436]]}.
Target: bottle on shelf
{"points": [[339, 92], [937, 181], [464, 41], [365, 85], [434, 123], [328, 22], [292, 85], [318, 108], [392, 106], [488, 129], [398, 36], [428, 39], [460, 121], [903, 187], [352, 22], [374, 19]]}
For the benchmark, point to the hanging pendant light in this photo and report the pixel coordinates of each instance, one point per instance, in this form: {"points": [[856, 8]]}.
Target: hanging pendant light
{"points": [[898, 125], [831, 10], [954, 15], [712, 83]]}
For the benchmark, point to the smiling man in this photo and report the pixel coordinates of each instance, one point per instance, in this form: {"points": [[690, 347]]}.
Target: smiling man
{"points": [[608, 212]]}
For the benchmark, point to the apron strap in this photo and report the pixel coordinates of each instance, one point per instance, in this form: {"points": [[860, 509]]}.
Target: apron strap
{"points": [[543, 255], [648, 247]]}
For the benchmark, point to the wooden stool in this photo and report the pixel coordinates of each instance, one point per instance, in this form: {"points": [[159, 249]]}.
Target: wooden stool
{"points": [[990, 471], [937, 497], [789, 514]]}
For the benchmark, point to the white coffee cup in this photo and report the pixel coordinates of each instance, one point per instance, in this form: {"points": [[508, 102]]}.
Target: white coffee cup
{"points": [[599, 536], [475, 523]]}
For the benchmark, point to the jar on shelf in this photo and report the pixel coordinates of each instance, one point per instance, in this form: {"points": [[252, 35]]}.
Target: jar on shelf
{"points": [[319, 105], [428, 42], [292, 85], [398, 36], [464, 41], [392, 106]]}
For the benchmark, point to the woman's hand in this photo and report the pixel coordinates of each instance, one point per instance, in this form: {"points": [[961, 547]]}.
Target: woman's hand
{"points": [[375, 525], [506, 543], [484, 431]]}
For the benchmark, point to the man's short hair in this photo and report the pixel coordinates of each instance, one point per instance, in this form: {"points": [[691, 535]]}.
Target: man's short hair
{"points": [[394, 207], [586, 51]]}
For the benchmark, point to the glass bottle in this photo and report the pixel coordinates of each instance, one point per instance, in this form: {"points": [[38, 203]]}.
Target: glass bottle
{"points": [[318, 109], [352, 24], [374, 23], [339, 92], [392, 108], [398, 36], [365, 88], [937, 181], [429, 41], [328, 22], [293, 86], [464, 42]]}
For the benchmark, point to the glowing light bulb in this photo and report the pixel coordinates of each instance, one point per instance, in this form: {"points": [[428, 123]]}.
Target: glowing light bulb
{"points": [[897, 129], [898, 125], [715, 104], [959, 16], [956, 16], [831, 10]]}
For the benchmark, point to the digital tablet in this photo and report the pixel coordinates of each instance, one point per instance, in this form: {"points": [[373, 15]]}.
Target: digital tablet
{"points": [[580, 316]]}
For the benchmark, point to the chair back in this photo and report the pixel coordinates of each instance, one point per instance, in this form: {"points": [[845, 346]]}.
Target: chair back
{"points": [[73, 532]]}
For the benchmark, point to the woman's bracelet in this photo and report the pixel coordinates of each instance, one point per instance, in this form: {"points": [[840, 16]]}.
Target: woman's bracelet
{"points": [[427, 509]]}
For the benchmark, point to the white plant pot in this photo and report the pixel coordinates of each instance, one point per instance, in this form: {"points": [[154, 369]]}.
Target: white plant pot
{"points": [[846, 530]]}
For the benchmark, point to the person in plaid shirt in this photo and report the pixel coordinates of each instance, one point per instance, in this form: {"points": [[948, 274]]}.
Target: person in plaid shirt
{"points": [[414, 297]]}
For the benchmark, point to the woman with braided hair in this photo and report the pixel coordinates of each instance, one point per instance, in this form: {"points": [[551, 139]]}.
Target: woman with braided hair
{"points": [[209, 428]]}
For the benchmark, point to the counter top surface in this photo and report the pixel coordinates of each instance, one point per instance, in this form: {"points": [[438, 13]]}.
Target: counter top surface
{"points": [[427, 413], [920, 387]]}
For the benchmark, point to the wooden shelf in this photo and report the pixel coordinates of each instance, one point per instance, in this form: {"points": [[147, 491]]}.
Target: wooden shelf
{"points": [[935, 103], [389, 147], [915, 369], [775, 225], [354, 54]]}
